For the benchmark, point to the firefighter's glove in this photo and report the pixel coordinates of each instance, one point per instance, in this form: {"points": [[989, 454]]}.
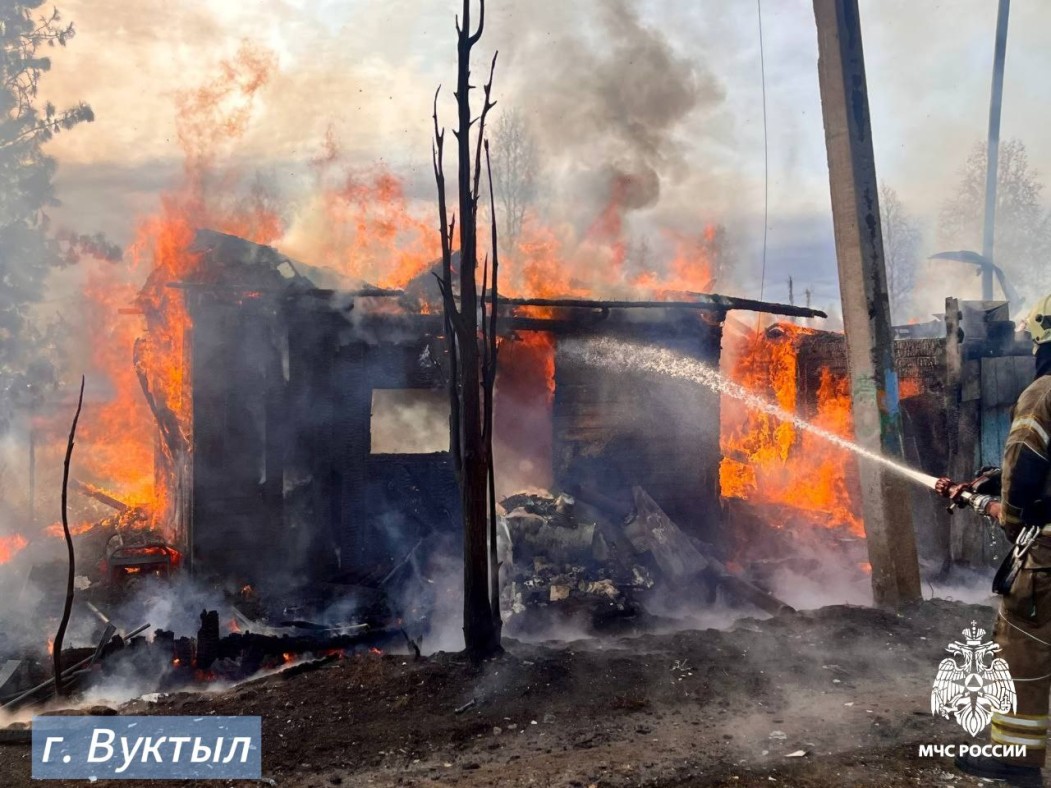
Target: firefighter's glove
{"points": [[980, 504]]}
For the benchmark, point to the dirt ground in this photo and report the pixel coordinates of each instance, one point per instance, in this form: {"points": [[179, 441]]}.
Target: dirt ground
{"points": [[848, 686]]}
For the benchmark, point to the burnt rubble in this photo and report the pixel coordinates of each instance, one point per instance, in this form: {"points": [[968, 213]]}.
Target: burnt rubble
{"points": [[597, 565]]}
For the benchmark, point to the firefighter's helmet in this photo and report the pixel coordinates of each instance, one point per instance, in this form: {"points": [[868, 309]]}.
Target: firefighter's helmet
{"points": [[1038, 324]]}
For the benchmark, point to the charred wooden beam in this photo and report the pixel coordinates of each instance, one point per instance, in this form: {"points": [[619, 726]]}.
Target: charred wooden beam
{"points": [[710, 302], [318, 292], [433, 322], [44, 690], [91, 491], [308, 667], [236, 644], [745, 592], [701, 301]]}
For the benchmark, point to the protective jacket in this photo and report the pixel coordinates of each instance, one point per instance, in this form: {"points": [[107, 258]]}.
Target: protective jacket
{"points": [[1023, 625]]}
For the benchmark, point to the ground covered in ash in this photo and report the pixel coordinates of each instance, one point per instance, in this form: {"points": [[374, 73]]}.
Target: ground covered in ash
{"points": [[847, 686]]}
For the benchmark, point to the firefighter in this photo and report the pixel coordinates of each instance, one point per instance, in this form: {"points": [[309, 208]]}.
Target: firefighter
{"points": [[1023, 623]]}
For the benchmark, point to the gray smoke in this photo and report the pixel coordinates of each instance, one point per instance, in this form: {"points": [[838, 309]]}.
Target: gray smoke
{"points": [[605, 95]]}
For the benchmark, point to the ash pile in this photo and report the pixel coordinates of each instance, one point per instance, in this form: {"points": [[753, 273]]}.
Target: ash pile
{"points": [[607, 565]]}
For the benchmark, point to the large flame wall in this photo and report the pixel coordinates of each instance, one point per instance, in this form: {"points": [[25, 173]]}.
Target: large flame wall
{"points": [[795, 478]]}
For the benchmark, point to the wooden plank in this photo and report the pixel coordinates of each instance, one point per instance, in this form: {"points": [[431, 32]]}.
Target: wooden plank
{"points": [[953, 371], [1025, 372], [991, 444], [971, 381], [1012, 376], [652, 531], [989, 382], [1006, 382]]}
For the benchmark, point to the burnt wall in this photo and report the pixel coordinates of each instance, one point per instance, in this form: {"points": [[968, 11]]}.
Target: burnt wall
{"points": [[286, 492], [921, 368], [614, 429], [920, 364], [239, 438]]}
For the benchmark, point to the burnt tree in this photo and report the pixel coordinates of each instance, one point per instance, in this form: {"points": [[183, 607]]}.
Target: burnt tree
{"points": [[471, 343], [67, 606]]}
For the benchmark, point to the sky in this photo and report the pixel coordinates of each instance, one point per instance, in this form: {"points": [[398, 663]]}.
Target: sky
{"points": [[670, 92]]}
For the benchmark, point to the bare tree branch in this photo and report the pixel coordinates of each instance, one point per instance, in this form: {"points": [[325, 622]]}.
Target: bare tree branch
{"points": [[1023, 225], [901, 249], [486, 106], [56, 647], [516, 161], [451, 317], [481, 24], [490, 391]]}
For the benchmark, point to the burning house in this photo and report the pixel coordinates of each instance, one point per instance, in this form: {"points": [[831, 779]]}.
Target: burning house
{"points": [[300, 462], [958, 378]]}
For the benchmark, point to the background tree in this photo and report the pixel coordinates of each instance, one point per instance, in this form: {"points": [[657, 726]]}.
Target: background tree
{"points": [[1023, 235], [470, 331], [516, 162], [29, 249], [901, 250]]}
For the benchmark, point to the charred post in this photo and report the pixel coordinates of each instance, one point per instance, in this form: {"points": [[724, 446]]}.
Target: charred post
{"points": [[67, 608]]}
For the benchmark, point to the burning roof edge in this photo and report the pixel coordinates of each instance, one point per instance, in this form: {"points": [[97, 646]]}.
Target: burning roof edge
{"points": [[248, 265], [227, 261]]}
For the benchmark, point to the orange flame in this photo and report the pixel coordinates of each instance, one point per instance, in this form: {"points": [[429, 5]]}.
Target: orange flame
{"points": [[370, 233], [119, 433], [549, 262], [909, 387], [10, 546], [362, 226], [767, 461], [76, 529]]}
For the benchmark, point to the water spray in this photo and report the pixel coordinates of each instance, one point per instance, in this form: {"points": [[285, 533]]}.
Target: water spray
{"points": [[628, 356]]}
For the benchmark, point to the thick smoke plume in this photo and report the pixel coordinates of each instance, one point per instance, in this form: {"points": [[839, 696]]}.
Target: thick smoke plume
{"points": [[607, 100]]}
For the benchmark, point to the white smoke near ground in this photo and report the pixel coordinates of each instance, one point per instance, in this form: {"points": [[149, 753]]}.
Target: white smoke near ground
{"points": [[173, 604], [438, 594], [832, 578]]}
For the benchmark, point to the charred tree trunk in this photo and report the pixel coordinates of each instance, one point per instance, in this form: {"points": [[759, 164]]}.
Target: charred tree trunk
{"points": [[472, 358], [56, 648]]}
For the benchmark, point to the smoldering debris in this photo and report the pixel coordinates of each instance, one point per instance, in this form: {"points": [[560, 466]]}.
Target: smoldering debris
{"points": [[191, 646], [609, 567]]}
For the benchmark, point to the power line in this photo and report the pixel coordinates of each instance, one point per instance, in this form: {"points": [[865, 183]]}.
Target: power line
{"points": [[766, 147]]}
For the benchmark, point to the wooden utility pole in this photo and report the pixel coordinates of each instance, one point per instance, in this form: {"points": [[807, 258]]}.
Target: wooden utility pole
{"points": [[863, 291]]}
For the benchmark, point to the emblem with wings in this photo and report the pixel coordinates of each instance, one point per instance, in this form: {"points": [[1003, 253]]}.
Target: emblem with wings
{"points": [[972, 684]]}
